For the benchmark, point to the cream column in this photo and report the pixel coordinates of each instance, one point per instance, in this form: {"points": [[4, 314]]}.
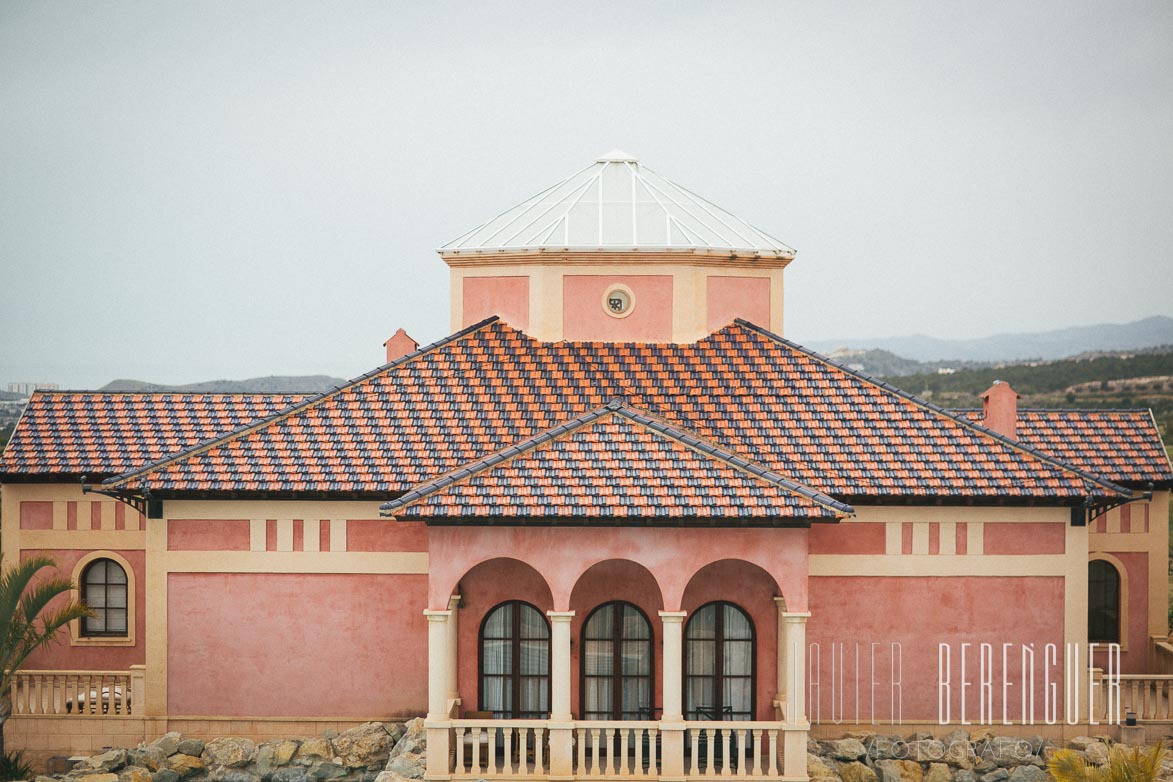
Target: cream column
{"points": [[561, 723], [672, 720], [453, 644], [437, 719], [792, 657]]}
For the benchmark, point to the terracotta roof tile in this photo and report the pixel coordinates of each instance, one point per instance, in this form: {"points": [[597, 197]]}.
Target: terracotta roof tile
{"points": [[72, 433], [615, 462], [1122, 445], [491, 386]]}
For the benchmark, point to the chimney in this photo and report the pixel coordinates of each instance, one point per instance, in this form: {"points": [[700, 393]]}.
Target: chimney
{"points": [[1000, 409], [399, 345]]}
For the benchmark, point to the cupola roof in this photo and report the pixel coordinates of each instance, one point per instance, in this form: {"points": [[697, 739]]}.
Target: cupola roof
{"points": [[617, 204]]}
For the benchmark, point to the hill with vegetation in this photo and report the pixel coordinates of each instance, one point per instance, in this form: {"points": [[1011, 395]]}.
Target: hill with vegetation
{"points": [[274, 384], [1093, 381]]}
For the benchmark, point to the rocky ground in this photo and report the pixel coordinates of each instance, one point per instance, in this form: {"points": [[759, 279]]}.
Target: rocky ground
{"points": [[957, 757], [373, 752]]}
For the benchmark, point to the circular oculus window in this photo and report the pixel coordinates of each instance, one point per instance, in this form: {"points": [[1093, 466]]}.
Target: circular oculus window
{"points": [[618, 301]]}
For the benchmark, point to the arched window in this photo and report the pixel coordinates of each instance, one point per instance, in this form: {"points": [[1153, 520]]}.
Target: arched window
{"points": [[515, 662], [1103, 601], [104, 590], [617, 657], [719, 670]]}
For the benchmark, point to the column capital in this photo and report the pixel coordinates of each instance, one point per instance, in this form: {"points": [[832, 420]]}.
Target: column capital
{"points": [[560, 616], [673, 616], [796, 616], [780, 602], [437, 616], [454, 602]]}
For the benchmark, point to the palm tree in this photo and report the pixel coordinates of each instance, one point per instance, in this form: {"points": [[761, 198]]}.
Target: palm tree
{"points": [[1125, 764], [23, 628]]}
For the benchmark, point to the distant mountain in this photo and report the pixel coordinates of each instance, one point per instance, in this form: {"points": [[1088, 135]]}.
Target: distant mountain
{"points": [[305, 384], [1039, 345]]}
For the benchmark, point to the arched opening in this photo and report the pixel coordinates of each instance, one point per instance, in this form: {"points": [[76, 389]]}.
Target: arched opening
{"points": [[618, 663], [720, 663], [515, 662], [106, 590], [1103, 602]]}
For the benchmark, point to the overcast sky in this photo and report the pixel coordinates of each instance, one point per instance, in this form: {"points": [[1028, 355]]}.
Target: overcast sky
{"points": [[192, 191]]}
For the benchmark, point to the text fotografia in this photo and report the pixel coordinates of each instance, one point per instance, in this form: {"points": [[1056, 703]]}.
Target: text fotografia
{"points": [[975, 683]]}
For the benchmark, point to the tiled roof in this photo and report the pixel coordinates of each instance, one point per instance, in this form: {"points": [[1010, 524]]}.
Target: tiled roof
{"points": [[1122, 445], [490, 386], [615, 462], [98, 434]]}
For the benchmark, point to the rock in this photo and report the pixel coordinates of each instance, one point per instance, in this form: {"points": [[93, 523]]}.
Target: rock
{"points": [[857, 772], [292, 773], [887, 748], [43, 778], [239, 775], [898, 771], [229, 752], [191, 747], [964, 775], [959, 753], [938, 772], [844, 749], [958, 735], [98, 778], [817, 769], [1097, 753], [134, 774], [183, 765], [166, 775], [367, 745], [328, 771], [153, 757], [1036, 744], [413, 740], [1007, 751], [925, 750], [997, 775], [168, 743], [315, 749], [409, 766], [111, 760], [812, 746], [1028, 774], [1080, 742], [330, 734]]}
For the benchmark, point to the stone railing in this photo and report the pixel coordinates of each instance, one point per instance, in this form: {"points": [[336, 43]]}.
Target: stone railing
{"points": [[77, 693], [1146, 695], [507, 749], [1160, 654]]}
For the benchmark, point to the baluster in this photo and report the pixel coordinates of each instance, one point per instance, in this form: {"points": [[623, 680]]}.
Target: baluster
{"points": [[727, 766], [582, 742], [756, 753], [773, 753], [1133, 700], [1163, 700], [59, 694], [524, 737], [612, 740], [458, 755], [624, 739], [696, 751], [742, 746], [653, 755], [540, 750], [594, 751], [476, 750], [508, 759]]}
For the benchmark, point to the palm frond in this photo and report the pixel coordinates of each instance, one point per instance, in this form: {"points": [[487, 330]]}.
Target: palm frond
{"points": [[1070, 766], [27, 619]]}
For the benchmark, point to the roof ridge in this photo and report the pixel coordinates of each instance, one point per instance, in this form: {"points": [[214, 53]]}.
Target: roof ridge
{"points": [[254, 425], [616, 406], [1135, 410], [885, 386]]}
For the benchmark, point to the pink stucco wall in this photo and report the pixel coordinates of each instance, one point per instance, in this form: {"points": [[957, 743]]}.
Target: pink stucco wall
{"points": [[385, 535], [1024, 537], [847, 538], [583, 317], [296, 645], [919, 613], [504, 296], [563, 554], [208, 534], [36, 515], [738, 297], [63, 655]]}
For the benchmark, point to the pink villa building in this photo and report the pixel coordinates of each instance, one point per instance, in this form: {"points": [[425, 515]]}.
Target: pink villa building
{"points": [[615, 524]]}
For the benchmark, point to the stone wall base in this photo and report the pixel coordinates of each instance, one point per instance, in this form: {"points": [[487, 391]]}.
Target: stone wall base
{"points": [[1053, 732], [44, 736]]}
